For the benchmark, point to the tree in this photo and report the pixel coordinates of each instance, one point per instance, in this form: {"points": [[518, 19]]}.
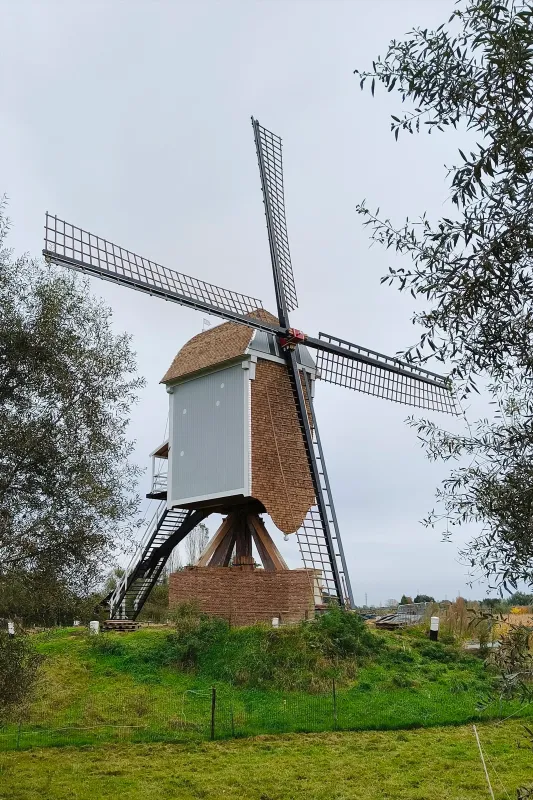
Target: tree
{"points": [[405, 600], [174, 563], [42, 599], [66, 385], [521, 599], [112, 579], [473, 267], [156, 607], [424, 598], [196, 542]]}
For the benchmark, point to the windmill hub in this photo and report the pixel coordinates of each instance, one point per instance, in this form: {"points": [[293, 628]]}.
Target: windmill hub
{"points": [[294, 337], [243, 436]]}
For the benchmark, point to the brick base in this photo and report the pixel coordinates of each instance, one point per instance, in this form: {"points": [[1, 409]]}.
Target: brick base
{"points": [[245, 597]]}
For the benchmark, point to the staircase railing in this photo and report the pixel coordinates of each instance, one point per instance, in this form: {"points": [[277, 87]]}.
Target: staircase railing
{"points": [[121, 588]]}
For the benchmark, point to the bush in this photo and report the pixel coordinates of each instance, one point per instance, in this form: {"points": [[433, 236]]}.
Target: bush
{"points": [[341, 635], [18, 670], [302, 657], [195, 634], [436, 652], [298, 657]]}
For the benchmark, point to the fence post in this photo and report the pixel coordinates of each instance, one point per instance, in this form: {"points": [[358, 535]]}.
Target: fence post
{"points": [[213, 708], [334, 704], [18, 734]]}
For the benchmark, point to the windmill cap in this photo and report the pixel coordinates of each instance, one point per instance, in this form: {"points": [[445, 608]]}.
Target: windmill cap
{"points": [[214, 346]]}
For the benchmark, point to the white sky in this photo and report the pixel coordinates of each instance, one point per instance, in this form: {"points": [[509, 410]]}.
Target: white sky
{"points": [[132, 120]]}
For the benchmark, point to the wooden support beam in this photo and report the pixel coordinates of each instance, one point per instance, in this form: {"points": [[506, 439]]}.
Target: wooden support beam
{"points": [[267, 562], [222, 555], [237, 532], [213, 543], [243, 542], [270, 555]]}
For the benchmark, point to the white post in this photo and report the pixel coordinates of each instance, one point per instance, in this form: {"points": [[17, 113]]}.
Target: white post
{"points": [[10, 628], [275, 622], [434, 629], [94, 627]]}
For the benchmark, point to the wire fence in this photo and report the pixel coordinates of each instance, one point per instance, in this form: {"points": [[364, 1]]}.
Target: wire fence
{"points": [[154, 713]]}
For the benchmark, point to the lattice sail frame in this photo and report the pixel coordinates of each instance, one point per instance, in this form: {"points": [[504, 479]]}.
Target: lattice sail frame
{"points": [[313, 547], [269, 153], [79, 249], [397, 381]]}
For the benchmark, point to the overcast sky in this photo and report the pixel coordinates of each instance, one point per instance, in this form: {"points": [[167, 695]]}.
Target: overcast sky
{"points": [[132, 120]]}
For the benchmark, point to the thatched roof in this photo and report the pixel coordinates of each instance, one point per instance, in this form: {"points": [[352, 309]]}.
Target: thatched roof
{"points": [[214, 346]]}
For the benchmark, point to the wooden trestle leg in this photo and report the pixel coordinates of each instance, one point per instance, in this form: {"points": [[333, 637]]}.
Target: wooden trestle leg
{"points": [[234, 538]]}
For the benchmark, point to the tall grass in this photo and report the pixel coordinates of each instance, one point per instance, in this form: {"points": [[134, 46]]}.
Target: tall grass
{"points": [[303, 657]]}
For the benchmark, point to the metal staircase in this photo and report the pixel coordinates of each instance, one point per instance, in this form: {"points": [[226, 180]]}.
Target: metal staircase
{"points": [[166, 529]]}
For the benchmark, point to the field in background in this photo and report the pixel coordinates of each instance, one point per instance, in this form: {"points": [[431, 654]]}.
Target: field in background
{"points": [[434, 764]]}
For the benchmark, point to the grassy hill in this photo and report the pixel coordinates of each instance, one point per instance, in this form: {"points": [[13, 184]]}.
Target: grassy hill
{"points": [[157, 683]]}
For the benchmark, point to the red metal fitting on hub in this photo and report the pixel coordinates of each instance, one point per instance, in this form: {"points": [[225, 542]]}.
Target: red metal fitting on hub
{"points": [[294, 337]]}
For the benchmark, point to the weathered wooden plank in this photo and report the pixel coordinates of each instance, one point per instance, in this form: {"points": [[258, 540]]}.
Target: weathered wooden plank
{"points": [[212, 545], [268, 551], [222, 555]]}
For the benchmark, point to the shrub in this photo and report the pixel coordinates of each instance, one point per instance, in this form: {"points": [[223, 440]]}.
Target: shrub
{"points": [[156, 607], [342, 635], [436, 652], [298, 657], [302, 657], [195, 633], [18, 670], [447, 637]]}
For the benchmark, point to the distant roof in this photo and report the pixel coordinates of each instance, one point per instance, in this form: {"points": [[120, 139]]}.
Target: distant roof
{"points": [[214, 346]]}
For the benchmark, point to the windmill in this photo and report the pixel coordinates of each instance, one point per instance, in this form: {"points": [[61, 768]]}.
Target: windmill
{"points": [[249, 340]]}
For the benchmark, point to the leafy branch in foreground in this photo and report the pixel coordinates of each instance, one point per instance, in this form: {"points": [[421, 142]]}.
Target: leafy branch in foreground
{"points": [[473, 268]]}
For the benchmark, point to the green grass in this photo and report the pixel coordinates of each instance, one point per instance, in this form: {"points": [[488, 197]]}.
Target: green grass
{"points": [[128, 687], [435, 764]]}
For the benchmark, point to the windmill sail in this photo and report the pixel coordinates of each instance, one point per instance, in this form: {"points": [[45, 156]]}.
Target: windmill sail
{"points": [[269, 156], [319, 537], [354, 367], [73, 247]]}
